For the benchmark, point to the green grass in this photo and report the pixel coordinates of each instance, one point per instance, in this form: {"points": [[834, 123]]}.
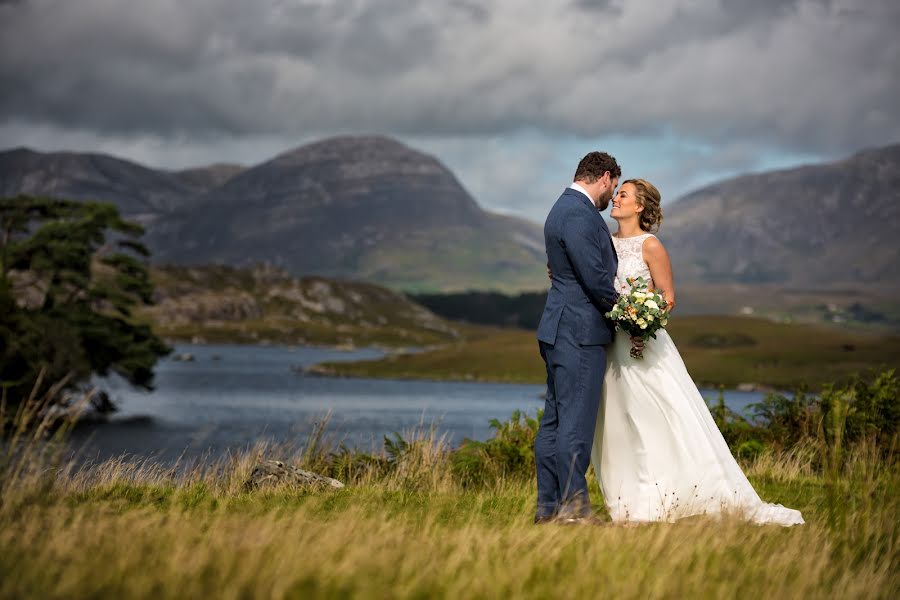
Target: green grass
{"points": [[783, 355], [772, 354], [410, 524], [124, 532], [482, 354]]}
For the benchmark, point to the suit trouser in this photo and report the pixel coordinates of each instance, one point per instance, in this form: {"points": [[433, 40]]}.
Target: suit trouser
{"points": [[562, 448]]}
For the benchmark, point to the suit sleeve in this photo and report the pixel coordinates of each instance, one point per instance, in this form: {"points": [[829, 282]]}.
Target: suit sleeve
{"points": [[583, 247]]}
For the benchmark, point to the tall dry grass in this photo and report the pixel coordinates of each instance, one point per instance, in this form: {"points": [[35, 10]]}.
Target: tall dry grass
{"points": [[406, 526]]}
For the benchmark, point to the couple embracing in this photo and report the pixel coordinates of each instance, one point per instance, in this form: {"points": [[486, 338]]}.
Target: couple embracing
{"points": [[657, 452]]}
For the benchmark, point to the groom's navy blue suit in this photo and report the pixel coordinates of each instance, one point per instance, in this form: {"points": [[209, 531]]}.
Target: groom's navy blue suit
{"points": [[572, 336]]}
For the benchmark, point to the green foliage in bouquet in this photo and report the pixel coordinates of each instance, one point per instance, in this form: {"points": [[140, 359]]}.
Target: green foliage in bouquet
{"points": [[641, 312]]}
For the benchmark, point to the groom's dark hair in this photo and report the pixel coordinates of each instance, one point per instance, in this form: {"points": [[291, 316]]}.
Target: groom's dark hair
{"points": [[594, 165]]}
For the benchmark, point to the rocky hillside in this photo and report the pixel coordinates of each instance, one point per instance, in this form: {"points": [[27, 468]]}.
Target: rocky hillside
{"points": [[820, 225], [366, 208], [267, 305]]}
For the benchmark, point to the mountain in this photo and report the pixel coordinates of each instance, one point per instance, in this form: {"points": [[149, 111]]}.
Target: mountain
{"points": [[819, 225], [204, 179], [142, 194], [371, 208], [367, 208]]}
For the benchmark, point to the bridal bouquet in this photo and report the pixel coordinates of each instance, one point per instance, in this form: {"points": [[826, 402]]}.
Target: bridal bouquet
{"points": [[641, 312]]}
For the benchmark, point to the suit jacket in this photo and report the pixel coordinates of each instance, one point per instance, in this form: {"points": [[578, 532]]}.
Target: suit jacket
{"points": [[583, 262]]}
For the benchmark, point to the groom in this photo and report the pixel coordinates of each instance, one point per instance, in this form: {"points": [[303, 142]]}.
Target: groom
{"points": [[573, 334]]}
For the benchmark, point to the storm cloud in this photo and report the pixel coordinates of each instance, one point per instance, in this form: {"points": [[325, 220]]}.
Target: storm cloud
{"points": [[810, 77]]}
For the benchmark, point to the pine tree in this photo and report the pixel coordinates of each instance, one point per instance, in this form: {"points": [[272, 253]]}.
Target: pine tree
{"points": [[67, 295]]}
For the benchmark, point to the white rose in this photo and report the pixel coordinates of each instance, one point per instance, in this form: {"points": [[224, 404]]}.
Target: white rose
{"points": [[651, 305], [649, 318], [642, 323]]}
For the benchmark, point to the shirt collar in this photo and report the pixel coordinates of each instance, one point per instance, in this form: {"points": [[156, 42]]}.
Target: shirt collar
{"points": [[578, 188]]}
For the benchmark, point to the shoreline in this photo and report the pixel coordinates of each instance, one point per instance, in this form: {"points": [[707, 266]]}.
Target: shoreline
{"points": [[327, 371], [442, 363]]}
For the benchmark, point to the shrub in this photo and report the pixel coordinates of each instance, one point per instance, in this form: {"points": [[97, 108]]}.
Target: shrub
{"points": [[508, 454], [785, 421], [863, 412], [737, 431]]}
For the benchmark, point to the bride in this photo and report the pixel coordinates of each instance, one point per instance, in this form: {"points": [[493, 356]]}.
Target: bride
{"points": [[657, 451]]}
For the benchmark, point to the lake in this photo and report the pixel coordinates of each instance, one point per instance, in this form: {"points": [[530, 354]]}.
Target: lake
{"points": [[232, 396]]}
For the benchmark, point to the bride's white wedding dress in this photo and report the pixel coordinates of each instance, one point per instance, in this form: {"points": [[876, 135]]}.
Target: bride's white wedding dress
{"points": [[657, 451]]}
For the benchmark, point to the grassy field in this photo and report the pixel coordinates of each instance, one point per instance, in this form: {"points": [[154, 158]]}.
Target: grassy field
{"points": [[719, 350], [419, 519], [120, 530]]}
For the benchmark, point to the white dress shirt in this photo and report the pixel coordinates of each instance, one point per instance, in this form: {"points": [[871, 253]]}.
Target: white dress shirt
{"points": [[578, 188]]}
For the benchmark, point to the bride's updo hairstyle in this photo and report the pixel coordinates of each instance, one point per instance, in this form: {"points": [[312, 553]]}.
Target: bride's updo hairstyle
{"points": [[648, 197]]}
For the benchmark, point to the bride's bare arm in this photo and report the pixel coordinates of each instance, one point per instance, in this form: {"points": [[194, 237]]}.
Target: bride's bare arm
{"points": [[657, 259]]}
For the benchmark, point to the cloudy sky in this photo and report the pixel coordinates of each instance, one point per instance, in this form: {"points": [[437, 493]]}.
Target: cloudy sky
{"points": [[508, 93]]}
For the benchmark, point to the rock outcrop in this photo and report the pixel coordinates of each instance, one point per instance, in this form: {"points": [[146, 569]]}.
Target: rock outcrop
{"points": [[264, 304], [271, 472]]}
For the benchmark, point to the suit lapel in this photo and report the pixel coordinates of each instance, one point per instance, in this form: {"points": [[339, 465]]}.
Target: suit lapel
{"points": [[611, 244]]}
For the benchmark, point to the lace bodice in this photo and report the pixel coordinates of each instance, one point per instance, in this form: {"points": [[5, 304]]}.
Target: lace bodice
{"points": [[631, 261]]}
